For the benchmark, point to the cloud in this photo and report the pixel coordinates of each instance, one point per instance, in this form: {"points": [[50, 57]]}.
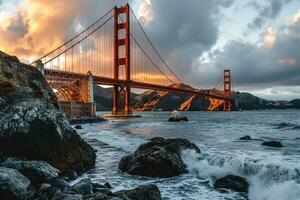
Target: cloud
{"points": [[267, 11], [260, 66], [183, 30], [39, 26]]}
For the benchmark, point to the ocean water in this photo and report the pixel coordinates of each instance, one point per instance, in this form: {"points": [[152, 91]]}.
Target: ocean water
{"points": [[273, 173]]}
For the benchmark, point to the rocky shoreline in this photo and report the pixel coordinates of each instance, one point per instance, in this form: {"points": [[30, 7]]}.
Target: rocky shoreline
{"points": [[40, 152]]}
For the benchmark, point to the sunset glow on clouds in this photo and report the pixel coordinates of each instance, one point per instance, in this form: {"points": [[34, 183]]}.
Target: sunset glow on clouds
{"points": [[258, 39]]}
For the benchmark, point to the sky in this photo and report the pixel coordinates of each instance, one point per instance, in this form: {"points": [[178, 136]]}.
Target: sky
{"points": [[259, 40]]}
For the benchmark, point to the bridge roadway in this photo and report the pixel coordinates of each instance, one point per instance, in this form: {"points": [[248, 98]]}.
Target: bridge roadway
{"points": [[62, 76]]}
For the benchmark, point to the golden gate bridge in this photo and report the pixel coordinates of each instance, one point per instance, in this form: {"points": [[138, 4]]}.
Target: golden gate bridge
{"points": [[116, 51]]}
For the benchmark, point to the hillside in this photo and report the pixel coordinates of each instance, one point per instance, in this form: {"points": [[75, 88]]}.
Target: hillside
{"points": [[165, 101]]}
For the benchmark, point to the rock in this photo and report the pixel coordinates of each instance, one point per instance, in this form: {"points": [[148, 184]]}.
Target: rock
{"points": [[235, 183], [87, 120], [45, 187], [272, 144], [68, 197], [158, 158], [143, 192], [32, 124], [35, 171], [177, 117], [60, 184], [247, 137], [71, 175], [78, 127], [107, 185], [13, 185], [84, 186], [3, 157]]}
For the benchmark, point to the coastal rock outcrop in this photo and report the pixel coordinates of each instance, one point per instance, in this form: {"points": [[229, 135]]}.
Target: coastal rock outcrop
{"points": [[247, 137], [272, 144], [13, 185], [32, 124], [177, 117], [235, 183], [157, 158], [36, 171], [143, 192]]}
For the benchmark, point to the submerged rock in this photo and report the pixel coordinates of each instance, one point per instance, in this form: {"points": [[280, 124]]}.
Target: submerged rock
{"points": [[32, 124], [13, 185], [35, 171], [177, 117], [86, 120], [158, 158], [272, 144], [247, 137], [143, 192], [235, 183]]}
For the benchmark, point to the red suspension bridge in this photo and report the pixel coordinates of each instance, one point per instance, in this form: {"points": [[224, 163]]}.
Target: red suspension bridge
{"points": [[115, 50]]}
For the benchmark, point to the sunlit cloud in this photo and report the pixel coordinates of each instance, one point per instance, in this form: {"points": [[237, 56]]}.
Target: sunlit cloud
{"points": [[288, 61], [145, 12], [270, 37]]}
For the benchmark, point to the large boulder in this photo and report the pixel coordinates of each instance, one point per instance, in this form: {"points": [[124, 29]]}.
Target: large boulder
{"points": [[32, 124], [235, 183], [158, 158], [36, 171], [13, 185], [143, 192]]}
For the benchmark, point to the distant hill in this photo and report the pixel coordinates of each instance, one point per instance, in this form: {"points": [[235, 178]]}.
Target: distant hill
{"points": [[104, 99], [166, 101]]}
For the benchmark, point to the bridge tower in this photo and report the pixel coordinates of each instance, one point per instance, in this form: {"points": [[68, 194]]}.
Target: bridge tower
{"points": [[121, 93], [227, 90]]}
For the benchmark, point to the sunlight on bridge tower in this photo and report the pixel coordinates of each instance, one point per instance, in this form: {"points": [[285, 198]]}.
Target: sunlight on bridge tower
{"points": [[121, 94]]}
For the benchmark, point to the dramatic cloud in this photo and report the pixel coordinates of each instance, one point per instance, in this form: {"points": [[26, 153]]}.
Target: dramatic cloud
{"points": [[267, 11], [276, 63], [183, 30], [41, 25]]}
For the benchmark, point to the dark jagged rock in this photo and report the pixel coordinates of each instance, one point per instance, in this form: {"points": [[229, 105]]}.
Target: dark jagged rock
{"points": [[68, 197], [84, 186], [13, 185], [235, 183], [272, 144], [36, 171], [158, 158], [70, 175], [247, 137], [143, 192], [32, 124]]}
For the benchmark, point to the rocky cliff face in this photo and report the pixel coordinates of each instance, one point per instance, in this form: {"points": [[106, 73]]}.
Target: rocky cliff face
{"points": [[32, 125]]}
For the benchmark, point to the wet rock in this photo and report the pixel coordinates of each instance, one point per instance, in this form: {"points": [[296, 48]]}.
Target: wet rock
{"points": [[158, 158], [45, 187], [177, 117], [60, 184], [32, 124], [87, 120], [68, 197], [78, 127], [71, 175], [247, 137], [35, 171], [272, 144], [13, 185], [107, 185], [3, 157], [235, 183], [143, 192], [84, 186]]}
